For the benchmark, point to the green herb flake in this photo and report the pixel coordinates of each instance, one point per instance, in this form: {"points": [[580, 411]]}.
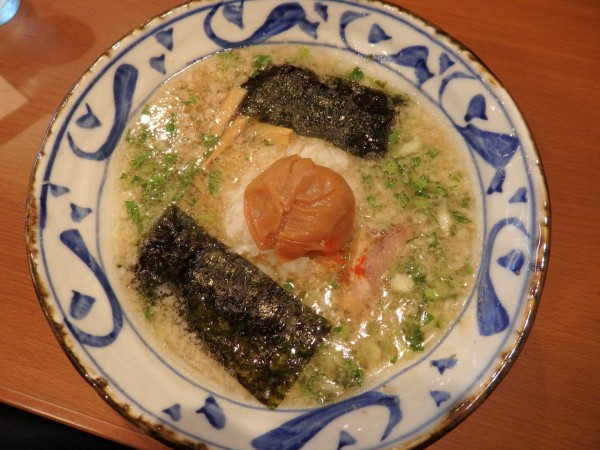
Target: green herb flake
{"points": [[440, 191], [213, 181], [228, 56], [394, 137], [191, 100], [209, 140], [376, 83], [389, 184], [207, 217], [414, 337], [460, 218], [133, 211], [303, 53], [372, 201], [421, 182], [320, 387], [140, 140], [427, 318], [434, 240], [149, 312], [187, 174], [421, 203], [430, 294], [332, 283], [433, 153], [140, 159], [390, 167], [261, 62], [343, 331], [417, 274], [355, 74], [171, 126], [402, 199], [437, 247], [448, 281], [288, 286], [416, 161], [349, 373], [456, 176], [154, 186], [170, 159]]}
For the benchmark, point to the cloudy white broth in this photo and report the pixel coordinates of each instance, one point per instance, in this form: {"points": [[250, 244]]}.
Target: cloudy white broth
{"points": [[390, 290]]}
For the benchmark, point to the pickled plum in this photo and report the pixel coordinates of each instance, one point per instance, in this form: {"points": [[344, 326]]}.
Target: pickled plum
{"points": [[298, 208]]}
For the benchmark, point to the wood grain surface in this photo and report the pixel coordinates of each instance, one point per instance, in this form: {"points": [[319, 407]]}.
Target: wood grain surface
{"points": [[545, 52]]}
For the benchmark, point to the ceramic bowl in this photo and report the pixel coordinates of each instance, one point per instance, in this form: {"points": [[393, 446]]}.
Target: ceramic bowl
{"points": [[67, 230]]}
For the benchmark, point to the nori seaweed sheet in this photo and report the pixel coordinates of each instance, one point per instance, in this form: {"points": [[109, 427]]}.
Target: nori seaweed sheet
{"points": [[356, 118], [251, 325]]}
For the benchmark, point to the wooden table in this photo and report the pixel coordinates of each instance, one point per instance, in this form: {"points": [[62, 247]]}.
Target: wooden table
{"points": [[546, 52]]}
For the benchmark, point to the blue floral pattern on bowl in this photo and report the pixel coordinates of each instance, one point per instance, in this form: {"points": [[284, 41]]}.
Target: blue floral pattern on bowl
{"points": [[67, 227]]}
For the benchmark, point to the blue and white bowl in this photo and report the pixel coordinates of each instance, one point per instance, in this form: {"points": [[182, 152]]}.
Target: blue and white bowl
{"points": [[67, 230]]}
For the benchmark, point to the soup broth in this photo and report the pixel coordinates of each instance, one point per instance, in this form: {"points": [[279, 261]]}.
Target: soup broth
{"points": [[390, 293]]}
